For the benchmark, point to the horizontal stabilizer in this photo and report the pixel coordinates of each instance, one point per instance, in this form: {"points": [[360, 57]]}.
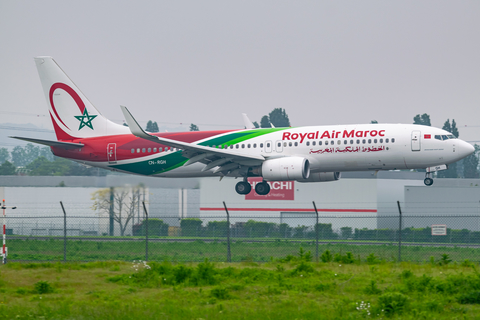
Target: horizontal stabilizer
{"points": [[52, 143]]}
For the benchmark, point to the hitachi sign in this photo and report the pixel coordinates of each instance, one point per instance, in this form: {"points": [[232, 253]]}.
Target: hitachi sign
{"points": [[275, 185], [333, 134]]}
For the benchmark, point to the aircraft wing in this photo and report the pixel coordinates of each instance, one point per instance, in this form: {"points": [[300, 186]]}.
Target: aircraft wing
{"points": [[225, 159], [52, 143]]}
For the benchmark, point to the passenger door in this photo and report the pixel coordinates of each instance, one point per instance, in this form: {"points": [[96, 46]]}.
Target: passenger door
{"points": [[416, 140], [112, 153]]}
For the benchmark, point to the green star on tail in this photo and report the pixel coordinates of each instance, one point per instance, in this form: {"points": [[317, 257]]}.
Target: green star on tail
{"points": [[88, 121]]}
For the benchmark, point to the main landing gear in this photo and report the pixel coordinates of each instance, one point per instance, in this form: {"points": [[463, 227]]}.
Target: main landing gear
{"points": [[244, 187], [428, 181], [262, 188]]}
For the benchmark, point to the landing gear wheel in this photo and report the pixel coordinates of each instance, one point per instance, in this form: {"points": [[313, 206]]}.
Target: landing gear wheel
{"points": [[243, 187], [262, 188], [428, 181]]}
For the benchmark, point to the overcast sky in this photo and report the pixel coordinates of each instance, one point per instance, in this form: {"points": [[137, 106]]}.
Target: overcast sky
{"points": [[206, 62]]}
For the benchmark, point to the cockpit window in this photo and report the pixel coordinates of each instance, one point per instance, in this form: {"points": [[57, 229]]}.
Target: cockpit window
{"points": [[438, 137], [451, 136], [444, 137]]}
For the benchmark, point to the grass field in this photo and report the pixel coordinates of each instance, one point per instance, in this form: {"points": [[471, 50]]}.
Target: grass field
{"points": [[291, 287], [197, 251]]}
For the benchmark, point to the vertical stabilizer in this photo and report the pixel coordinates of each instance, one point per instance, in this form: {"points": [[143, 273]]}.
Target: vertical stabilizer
{"points": [[73, 116]]}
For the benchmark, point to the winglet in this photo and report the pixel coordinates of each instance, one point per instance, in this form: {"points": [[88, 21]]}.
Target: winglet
{"points": [[134, 126], [248, 124]]}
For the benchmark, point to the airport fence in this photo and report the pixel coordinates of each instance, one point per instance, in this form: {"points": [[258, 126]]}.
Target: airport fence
{"points": [[239, 237]]}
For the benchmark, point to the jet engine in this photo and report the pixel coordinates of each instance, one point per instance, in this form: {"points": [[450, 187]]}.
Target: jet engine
{"points": [[287, 168], [322, 177]]}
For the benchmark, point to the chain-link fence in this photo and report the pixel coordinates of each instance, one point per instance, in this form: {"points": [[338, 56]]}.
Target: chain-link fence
{"points": [[242, 237]]}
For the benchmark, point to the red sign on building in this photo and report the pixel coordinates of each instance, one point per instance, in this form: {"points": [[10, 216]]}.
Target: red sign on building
{"points": [[279, 190]]}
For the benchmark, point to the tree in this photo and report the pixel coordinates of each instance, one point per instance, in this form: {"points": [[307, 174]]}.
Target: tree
{"points": [[18, 156], [152, 126], [31, 152], [374, 121], [194, 127], [255, 123], [4, 155], [7, 169], [265, 122], [279, 118], [452, 128], [125, 203], [470, 165], [47, 153], [423, 119]]}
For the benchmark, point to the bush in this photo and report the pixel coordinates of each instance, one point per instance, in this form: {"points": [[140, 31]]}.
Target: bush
{"points": [[43, 287], [326, 256], [393, 303], [191, 226], [472, 297]]}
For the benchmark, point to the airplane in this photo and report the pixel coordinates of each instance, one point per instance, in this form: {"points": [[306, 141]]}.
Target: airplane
{"points": [[303, 154]]}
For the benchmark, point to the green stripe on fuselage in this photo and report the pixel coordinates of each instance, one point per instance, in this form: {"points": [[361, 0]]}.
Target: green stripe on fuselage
{"points": [[156, 165], [237, 137], [171, 161]]}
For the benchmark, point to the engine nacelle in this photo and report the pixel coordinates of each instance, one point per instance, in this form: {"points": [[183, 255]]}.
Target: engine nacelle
{"points": [[322, 177], [285, 169]]}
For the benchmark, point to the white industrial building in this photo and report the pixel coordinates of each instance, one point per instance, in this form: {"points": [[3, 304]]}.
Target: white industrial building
{"points": [[357, 200]]}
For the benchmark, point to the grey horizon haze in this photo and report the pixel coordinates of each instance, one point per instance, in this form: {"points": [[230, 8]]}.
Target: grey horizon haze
{"points": [[206, 62]]}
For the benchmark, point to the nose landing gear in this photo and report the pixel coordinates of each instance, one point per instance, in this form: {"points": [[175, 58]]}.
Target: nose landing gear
{"points": [[428, 181]]}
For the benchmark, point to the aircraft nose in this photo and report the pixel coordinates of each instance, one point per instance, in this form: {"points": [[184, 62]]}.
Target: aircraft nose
{"points": [[466, 149]]}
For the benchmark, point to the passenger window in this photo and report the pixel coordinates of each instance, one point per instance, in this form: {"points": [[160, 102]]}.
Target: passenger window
{"points": [[381, 140], [358, 141], [154, 149], [345, 142], [254, 145], [393, 140], [296, 143], [313, 143], [363, 141], [279, 144], [133, 150], [351, 141], [320, 143], [248, 145], [143, 150], [268, 144], [237, 146], [284, 144], [332, 142], [289, 144], [386, 140], [231, 146], [339, 142], [374, 140], [308, 143], [160, 149], [326, 143], [369, 141], [149, 149], [261, 145]]}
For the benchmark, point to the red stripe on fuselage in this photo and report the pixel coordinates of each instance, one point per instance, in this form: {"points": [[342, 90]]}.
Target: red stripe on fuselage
{"points": [[95, 149]]}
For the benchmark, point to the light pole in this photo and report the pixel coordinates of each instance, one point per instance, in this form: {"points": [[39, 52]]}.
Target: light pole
{"points": [[4, 250]]}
